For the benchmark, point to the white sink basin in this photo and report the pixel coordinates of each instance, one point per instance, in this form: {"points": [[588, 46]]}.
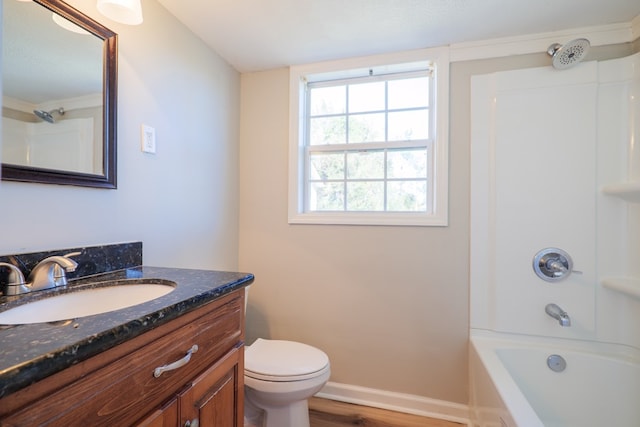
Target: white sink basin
{"points": [[85, 302]]}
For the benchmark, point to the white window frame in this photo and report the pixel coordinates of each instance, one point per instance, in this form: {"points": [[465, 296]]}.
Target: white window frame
{"points": [[403, 61]]}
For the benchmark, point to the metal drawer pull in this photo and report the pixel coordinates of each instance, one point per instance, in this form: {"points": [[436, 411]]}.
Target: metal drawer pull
{"points": [[177, 364]]}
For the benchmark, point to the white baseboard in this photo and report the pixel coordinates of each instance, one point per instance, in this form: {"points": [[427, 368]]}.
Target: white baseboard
{"points": [[399, 402]]}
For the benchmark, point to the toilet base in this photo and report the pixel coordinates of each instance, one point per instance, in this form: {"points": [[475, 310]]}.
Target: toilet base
{"points": [[294, 414], [253, 416]]}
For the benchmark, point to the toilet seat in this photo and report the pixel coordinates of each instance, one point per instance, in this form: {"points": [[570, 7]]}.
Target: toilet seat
{"points": [[281, 361]]}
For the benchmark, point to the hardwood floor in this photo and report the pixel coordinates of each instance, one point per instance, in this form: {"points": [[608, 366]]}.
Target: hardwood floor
{"points": [[330, 413]]}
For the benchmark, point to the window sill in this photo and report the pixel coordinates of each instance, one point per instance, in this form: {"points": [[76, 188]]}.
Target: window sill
{"points": [[385, 219]]}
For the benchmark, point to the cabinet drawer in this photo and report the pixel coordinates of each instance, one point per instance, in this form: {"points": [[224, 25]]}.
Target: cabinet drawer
{"points": [[121, 391]]}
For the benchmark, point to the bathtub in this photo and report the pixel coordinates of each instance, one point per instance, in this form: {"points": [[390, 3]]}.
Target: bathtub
{"points": [[512, 385]]}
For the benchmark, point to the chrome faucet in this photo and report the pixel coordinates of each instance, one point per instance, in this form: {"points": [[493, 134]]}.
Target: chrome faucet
{"points": [[48, 273], [559, 314]]}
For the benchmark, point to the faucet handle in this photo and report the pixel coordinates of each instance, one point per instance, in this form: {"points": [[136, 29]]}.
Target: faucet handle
{"points": [[553, 264], [15, 275], [15, 284], [70, 254], [59, 276]]}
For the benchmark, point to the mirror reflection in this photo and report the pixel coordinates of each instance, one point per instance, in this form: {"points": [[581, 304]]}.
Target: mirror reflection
{"points": [[53, 110]]}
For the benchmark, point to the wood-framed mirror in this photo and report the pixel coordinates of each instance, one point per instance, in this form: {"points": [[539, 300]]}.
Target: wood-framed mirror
{"points": [[59, 87]]}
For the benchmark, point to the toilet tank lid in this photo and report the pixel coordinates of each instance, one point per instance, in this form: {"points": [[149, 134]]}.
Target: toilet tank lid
{"points": [[283, 358]]}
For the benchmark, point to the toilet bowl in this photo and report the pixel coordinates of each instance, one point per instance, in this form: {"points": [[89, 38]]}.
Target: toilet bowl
{"points": [[279, 377]]}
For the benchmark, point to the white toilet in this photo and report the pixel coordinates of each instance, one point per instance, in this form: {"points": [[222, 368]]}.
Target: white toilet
{"points": [[279, 377]]}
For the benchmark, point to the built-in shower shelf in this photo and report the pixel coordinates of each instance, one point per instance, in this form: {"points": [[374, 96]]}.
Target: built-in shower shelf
{"points": [[625, 285], [629, 191]]}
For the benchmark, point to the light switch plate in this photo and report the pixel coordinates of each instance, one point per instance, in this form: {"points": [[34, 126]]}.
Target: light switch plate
{"points": [[148, 139]]}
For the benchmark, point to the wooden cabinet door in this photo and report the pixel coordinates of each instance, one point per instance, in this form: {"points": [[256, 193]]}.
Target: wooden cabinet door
{"points": [[167, 416], [215, 397]]}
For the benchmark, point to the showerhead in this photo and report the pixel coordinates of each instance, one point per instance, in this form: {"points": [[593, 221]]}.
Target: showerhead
{"points": [[44, 115], [47, 116], [563, 57]]}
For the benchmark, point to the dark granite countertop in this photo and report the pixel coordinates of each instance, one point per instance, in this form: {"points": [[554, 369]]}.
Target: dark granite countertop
{"points": [[29, 353]]}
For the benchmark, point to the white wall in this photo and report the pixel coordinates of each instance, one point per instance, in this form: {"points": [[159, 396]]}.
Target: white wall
{"points": [[181, 202]]}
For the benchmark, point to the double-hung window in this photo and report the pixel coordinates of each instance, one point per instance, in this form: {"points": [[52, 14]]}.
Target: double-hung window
{"points": [[368, 142]]}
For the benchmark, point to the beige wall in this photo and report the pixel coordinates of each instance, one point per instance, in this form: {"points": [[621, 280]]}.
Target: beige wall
{"points": [[388, 304], [183, 201]]}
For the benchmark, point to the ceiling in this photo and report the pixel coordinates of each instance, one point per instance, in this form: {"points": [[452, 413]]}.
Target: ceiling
{"points": [[256, 35]]}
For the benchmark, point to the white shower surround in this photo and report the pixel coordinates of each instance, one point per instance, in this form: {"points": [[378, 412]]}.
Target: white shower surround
{"points": [[556, 163], [66, 145]]}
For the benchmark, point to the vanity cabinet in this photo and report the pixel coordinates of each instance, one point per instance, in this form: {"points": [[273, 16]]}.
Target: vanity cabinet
{"points": [[118, 386], [210, 401]]}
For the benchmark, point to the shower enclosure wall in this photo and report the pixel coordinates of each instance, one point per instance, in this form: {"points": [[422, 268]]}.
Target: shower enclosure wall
{"points": [[556, 164]]}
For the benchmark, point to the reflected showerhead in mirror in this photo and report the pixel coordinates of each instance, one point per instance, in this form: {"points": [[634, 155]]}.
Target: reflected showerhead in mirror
{"points": [[47, 116], [570, 54]]}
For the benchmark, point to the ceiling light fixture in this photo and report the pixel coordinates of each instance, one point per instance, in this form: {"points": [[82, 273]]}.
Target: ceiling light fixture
{"points": [[124, 11]]}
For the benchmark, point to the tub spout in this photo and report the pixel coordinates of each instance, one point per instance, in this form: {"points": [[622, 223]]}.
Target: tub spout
{"points": [[559, 314]]}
